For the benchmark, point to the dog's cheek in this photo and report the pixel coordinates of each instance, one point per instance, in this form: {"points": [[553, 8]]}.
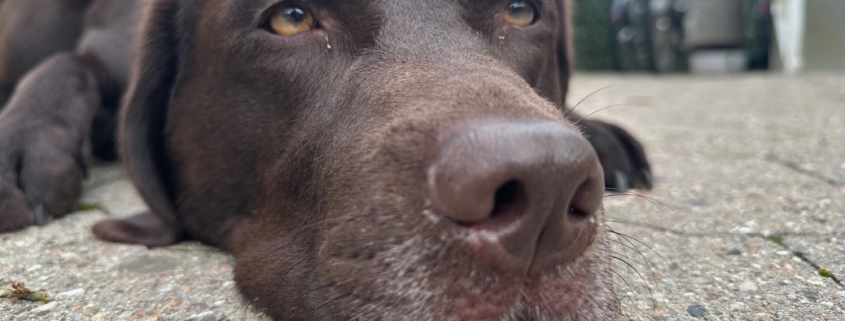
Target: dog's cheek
{"points": [[370, 244], [277, 276]]}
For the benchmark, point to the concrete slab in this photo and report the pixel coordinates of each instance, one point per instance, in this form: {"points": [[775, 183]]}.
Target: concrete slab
{"points": [[826, 251], [751, 154], [94, 280], [721, 277], [748, 205]]}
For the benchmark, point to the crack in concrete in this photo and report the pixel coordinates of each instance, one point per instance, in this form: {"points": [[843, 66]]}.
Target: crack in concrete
{"points": [[771, 157], [773, 238], [705, 234], [778, 239]]}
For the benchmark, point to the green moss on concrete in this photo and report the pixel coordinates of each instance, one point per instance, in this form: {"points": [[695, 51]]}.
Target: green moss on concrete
{"points": [[826, 273], [85, 207], [777, 239]]}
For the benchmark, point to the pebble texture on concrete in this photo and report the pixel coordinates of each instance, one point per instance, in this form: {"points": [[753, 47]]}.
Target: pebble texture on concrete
{"points": [[749, 200], [93, 280], [749, 206]]}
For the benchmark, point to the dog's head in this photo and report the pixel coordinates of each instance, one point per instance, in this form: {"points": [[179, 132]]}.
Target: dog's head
{"points": [[375, 160]]}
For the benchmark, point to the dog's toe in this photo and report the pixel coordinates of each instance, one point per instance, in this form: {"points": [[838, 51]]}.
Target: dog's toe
{"points": [[622, 157], [144, 228]]}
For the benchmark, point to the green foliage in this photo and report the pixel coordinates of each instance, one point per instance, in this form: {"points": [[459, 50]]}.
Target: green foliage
{"points": [[592, 35]]}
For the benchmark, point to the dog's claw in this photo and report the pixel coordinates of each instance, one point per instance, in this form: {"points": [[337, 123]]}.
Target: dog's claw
{"points": [[648, 181], [621, 181], [40, 216]]}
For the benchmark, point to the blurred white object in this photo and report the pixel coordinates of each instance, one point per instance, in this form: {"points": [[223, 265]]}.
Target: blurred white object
{"points": [[810, 35], [790, 24], [717, 60]]}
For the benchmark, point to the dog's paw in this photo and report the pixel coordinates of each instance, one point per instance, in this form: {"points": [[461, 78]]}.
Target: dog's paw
{"points": [[42, 166], [622, 157], [144, 228]]}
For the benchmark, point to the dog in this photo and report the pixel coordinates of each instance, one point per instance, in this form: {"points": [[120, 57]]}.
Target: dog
{"points": [[362, 160]]}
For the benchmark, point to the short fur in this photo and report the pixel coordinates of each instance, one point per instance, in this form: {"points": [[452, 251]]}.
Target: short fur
{"points": [[303, 155]]}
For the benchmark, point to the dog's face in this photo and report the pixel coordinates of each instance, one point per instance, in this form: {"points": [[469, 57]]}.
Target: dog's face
{"points": [[375, 160]]}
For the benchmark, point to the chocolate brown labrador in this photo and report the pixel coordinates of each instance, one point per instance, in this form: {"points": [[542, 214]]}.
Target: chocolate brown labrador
{"points": [[362, 159]]}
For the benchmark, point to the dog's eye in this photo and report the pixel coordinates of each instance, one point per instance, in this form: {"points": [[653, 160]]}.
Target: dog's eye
{"points": [[288, 21], [520, 13]]}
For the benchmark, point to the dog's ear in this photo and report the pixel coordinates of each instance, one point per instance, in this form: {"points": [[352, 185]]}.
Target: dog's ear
{"points": [[142, 130], [565, 53]]}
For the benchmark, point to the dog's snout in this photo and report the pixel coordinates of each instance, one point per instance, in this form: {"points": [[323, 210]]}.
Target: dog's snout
{"points": [[523, 193]]}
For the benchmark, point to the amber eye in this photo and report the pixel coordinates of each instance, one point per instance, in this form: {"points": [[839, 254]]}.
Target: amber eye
{"points": [[520, 13], [289, 21]]}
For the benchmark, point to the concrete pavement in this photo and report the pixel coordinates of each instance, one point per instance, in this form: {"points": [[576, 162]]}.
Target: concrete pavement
{"points": [[749, 203], [746, 222]]}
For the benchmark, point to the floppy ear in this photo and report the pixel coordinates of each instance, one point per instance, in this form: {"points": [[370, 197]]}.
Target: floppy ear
{"points": [[141, 133], [565, 52]]}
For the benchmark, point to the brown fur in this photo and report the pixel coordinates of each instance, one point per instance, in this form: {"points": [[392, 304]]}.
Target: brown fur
{"points": [[305, 155]]}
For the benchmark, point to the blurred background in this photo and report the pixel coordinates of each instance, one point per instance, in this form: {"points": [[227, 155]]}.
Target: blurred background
{"points": [[710, 36]]}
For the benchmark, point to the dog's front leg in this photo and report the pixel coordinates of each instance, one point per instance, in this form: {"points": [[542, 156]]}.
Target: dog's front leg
{"points": [[45, 144]]}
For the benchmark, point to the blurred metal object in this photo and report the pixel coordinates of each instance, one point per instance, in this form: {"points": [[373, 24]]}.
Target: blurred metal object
{"points": [[712, 35], [728, 35], [667, 32], [647, 34], [714, 24]]}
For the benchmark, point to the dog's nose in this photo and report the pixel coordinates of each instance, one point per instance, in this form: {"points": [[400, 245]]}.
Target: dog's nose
{"points": [[524, 194]]}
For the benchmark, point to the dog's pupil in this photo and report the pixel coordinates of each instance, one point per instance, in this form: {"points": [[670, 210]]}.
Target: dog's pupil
{"points": [[295, 13]]}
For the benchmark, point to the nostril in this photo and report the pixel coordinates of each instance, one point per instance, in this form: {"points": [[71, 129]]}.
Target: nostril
{"points": [[577, 212], [510, 200], [586, 200]]}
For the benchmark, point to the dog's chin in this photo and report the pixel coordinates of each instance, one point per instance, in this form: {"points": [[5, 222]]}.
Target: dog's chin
{"points": [[579, 290], [583, 294], [549, 299]]}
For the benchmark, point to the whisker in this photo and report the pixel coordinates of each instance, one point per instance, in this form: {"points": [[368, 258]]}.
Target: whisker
{"points": [[315, 289], [626, 284], [634, 243], [619, 240], [643, 244], [651, 200], [650, 294], [593, 113], [284, 276], [626, 246], [645, 259], [566, 114], [330, 301], [656, 203], [614, 253]]}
